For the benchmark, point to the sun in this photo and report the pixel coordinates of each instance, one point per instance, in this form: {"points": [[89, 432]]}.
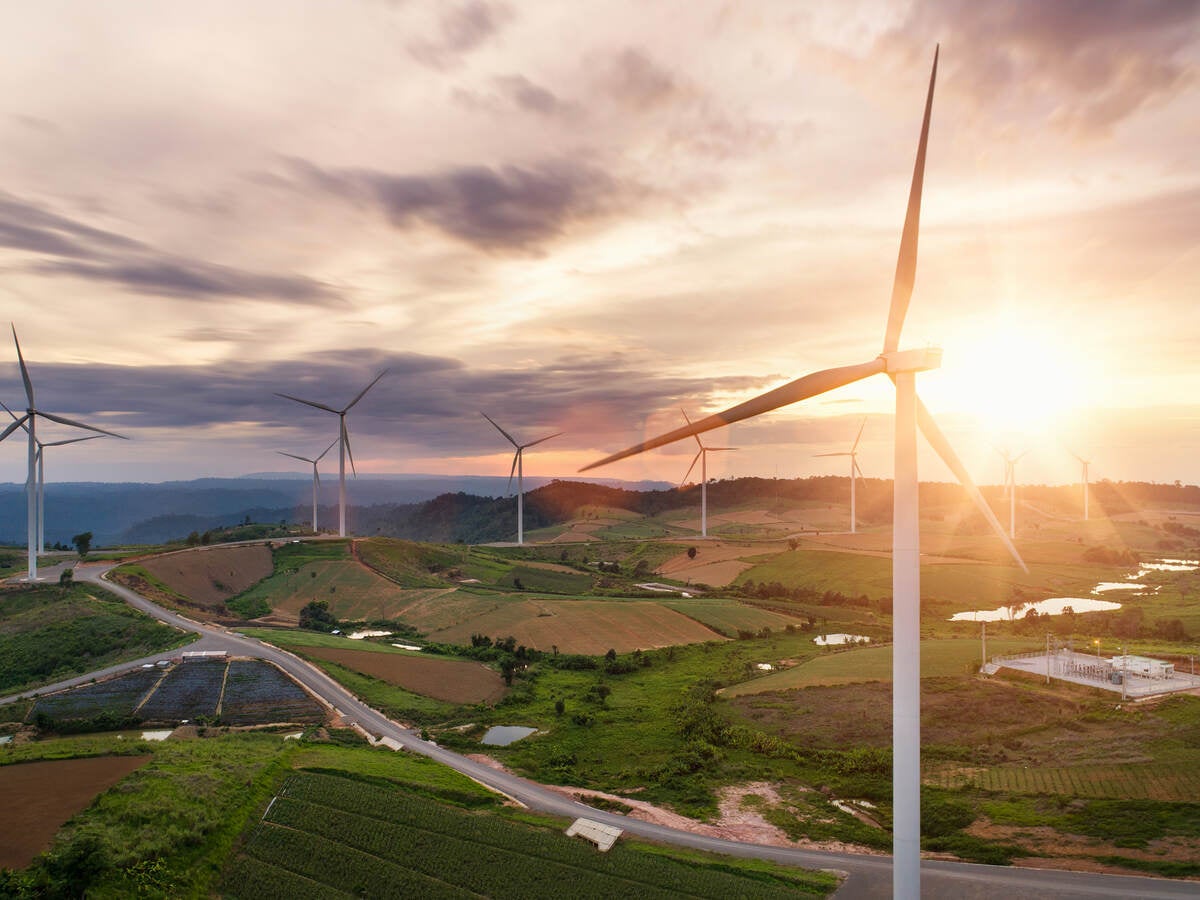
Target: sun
{"points": [[1012, 374]]}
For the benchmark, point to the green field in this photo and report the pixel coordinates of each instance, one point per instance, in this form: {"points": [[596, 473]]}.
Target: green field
{"points": [[48, 633], [323, 832], [938, 657], [728, 617], [1154, 781]]}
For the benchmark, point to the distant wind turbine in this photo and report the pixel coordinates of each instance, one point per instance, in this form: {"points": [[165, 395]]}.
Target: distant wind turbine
{"points": [[1010, 488], [316, 477], [343, 439], [855, 473], [702, 457], [901, 367], [29, 423], [41, 476], [1084, 463], [519, 467]]}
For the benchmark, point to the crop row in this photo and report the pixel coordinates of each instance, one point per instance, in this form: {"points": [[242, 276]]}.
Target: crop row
{"points": [[117, 697], [253, 681], [256, 879], [190, 690], [450, 843], [1151, 782]]}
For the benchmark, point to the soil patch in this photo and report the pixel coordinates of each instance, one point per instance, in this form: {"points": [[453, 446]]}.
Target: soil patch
{"points": [[211, 576], [452, 680], [40, 796]]}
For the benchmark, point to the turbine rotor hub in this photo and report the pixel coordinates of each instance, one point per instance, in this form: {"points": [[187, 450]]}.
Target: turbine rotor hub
{"points": [[921, 360]]}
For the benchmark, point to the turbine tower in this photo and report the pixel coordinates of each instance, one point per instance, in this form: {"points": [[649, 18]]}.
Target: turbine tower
{"points": [[29, 423], [343, 439], [1010, 488], [316, 477], [901, 367], [855, 472], [1084, 463], [519, 468], [702, 456]]}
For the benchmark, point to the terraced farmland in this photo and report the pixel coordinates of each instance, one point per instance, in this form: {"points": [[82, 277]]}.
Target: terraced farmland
{"points": [[190, 690], [257, 692], [1157, 781], [326, 836], [117, 697]]}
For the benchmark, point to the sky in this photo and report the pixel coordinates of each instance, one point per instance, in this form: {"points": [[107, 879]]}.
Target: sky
{"points": [[586, 217]]}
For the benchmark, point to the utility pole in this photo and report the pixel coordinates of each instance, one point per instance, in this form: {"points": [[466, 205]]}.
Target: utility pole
{"points": [[1124, 675], [1047, 657], [984, 640]]}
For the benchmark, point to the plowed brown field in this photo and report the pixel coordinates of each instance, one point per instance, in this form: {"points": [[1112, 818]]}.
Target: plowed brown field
{"points": [[210, 577], [452, 680]]}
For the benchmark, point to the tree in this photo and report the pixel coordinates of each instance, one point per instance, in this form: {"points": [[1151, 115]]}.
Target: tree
{"points": [[83, 543], [691, 552], [68, 577], [193, 539], [559, 706], [317, 617]]}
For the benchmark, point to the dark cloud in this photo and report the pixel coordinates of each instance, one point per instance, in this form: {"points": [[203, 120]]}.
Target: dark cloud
{"points": [[93, 254], [1100, 60], [508, 208], [636, 81], [426, 404], [462, 29], [531, 97]]}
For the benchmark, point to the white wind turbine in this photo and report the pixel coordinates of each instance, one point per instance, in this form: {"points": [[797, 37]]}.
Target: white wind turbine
{"points": [[901, 367], [29, 422], [855, 473], [343, 439], [41, 476], [1010, 488], [316, 477], [519, 467], [1084, 463], [702, 457]]}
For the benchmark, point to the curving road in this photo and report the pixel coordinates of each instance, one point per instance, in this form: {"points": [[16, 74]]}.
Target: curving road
{"points": [[868, 876]]}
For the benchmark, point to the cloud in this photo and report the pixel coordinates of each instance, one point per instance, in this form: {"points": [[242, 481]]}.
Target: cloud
{"points": [[80, 251], [531, 97], [639, 83], [1100, 60], [506, 208], [462, 29]]}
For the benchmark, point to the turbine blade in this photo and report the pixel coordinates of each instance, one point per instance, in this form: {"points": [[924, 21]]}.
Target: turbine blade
{"points": [[841, 453], [695, 459], [90, 437], [541, 440], [1016, 458], [363, 392], [938, 441], [699, 443], [711, 449], [17, 423], [349, 452], [792, 392], [24, 371], [316, 475], [859, 438], [323, 452], [294, 456], [906, 263], [499, 429], [309, 403], [62, 420], [516, 456]]}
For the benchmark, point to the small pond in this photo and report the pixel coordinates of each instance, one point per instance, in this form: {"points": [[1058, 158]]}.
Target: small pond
{"points": [[1052, 607], [503, 735], [833, 640], [1117, 586]]}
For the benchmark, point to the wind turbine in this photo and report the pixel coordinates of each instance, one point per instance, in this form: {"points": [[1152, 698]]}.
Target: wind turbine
{"points": [[41, 476], [1084, 463], [901, 367], [1010, 488], [519, 468], [316, 477], [855, 472], [702, 456], [344, 439], [29, 422]]}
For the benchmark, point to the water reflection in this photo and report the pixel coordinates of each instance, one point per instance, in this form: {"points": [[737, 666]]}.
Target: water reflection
{"points": [[1052, 607]]}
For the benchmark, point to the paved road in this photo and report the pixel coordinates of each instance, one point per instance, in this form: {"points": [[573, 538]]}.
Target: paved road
{"points": [[868, 876]]}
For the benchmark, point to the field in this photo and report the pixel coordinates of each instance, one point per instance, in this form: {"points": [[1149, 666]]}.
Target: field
{"points": [[728, 617], [253, 693], [50, 633], [455, 681], [1160, 781], [946, 656], [40, 796], [324, 835], [211, 576]]}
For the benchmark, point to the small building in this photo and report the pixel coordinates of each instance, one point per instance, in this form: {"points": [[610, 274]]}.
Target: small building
{"points": [[603, 836], [1144, 666]]}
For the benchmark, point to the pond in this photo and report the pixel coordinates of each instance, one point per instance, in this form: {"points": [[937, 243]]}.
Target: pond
{"points": [[503, 735], [834, 640], [1117, 586], [1052, 607]]}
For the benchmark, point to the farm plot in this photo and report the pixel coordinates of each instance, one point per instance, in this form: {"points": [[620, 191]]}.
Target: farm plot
{"points": [[40, 796], [349, 835], [352, 590], [116, 698], [729, 617], [451, 680], [581, 626], [256, 692], [189, 690], [211, 576], [1156, 781]]}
